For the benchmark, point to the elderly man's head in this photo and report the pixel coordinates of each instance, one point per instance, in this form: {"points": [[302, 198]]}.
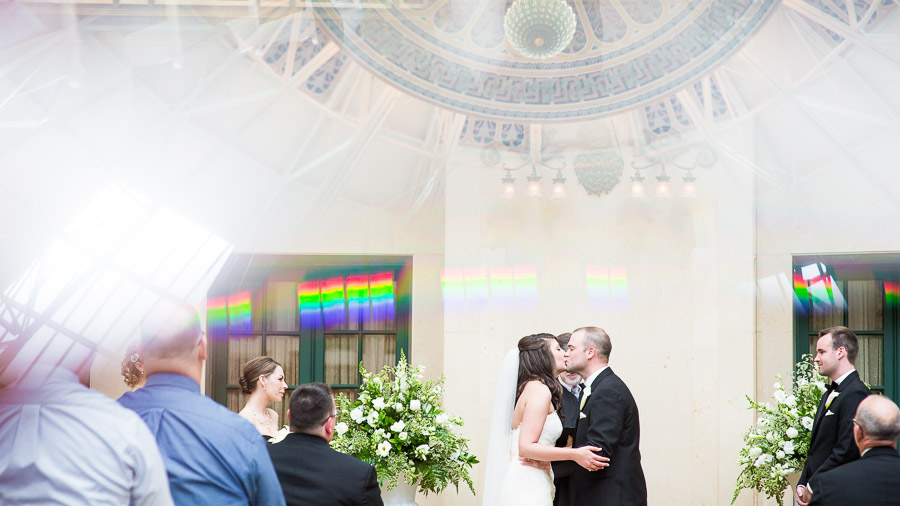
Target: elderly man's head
{"points": [[172, 341], [170, 330], [877, 423]]}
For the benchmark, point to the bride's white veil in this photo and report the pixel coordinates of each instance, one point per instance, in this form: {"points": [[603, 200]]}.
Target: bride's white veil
{"points": [[500, 429]]}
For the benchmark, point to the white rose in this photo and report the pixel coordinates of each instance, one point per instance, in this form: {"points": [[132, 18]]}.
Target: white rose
{"points": [[807, 422], [415, 405], [379, 434], [442, 418], [762, 460], [791, 400], [398, 426], [769, 436], [754, 452], [791, 432], [402, 436], [398, 406], [789, 447], [779, 454], [777, 385], [780, 396], [423, 449], [372, 419], [383, 449], [340, 428], [378, 403], [280, 435], [357, 414]]}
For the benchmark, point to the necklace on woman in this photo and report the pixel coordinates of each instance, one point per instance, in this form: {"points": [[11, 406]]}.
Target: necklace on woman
{"points": [[265, 422]]}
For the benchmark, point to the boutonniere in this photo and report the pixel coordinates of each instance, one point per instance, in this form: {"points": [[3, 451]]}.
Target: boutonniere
{"points": [[584, 395], [280, 435], [831, 397]]}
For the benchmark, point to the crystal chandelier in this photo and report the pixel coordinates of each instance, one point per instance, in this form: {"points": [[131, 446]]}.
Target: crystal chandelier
{"points": [[539, 28]]}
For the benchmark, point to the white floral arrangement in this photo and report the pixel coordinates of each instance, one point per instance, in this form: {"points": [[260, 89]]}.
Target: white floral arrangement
{"points": [[280, 434], [397, 425], [779, 442]]}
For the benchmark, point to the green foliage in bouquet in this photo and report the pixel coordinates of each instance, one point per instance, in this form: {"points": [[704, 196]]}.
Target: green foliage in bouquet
{"points": [[398, 426], [779, 442]]}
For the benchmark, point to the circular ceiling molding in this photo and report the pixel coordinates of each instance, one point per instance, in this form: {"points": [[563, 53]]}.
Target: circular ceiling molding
{"points": [[623, 54]]}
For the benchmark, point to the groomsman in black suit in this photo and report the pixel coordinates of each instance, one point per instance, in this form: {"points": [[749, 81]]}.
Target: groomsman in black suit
{"points": [[310, 471], [874, 479], [831, 441], [571, 395], [608, 418]]}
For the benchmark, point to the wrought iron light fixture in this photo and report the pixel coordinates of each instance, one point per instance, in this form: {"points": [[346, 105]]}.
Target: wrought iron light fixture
{"points": [[539, 28], [686, 157]]}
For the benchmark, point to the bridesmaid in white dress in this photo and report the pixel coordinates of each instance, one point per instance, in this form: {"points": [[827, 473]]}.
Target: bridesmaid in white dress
{"points": [[536, 425], [263, 380]]}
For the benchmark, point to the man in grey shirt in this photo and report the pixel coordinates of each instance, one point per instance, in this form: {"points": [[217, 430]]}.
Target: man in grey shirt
{"points": [[63, 443]]}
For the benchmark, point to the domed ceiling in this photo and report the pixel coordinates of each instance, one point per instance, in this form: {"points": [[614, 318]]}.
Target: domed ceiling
{"points": [[623, 53]]}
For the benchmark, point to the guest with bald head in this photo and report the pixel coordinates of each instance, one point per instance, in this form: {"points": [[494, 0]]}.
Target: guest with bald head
{"points": [[212, 455], [873, 479]]}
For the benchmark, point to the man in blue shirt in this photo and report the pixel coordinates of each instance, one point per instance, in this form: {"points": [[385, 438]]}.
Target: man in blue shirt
{"points": [[212, 455]]}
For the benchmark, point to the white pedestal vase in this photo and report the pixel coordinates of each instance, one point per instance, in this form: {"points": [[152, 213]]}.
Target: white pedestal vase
{"points": [[793, 479], [403, 494]]}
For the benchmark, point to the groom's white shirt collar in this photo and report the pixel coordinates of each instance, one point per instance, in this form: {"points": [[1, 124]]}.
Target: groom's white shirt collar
{"points": [[590, 379], [844, 376]]}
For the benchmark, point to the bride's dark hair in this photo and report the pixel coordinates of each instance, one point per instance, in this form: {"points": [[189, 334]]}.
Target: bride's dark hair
{"points": [[536, 362]]}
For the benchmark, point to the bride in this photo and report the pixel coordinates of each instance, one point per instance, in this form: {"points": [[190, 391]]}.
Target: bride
{"points": [[526, 424]]}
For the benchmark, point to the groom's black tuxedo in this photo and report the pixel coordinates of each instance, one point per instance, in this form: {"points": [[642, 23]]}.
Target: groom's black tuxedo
{"points": [[312, 473], [831, 443], [610, 422]]}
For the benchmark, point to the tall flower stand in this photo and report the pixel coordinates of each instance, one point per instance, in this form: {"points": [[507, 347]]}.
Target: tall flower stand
{"points": [[792, 479], [403, 494]]}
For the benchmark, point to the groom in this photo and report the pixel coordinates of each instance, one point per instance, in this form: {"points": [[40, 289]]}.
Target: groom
{"points": [[608, 419]]}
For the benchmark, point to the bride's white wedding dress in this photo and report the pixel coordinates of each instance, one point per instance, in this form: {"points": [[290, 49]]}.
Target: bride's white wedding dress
{"points": [[526, 485]]}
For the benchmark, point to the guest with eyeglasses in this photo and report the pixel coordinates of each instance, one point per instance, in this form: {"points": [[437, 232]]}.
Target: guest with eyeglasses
{"points": [[309, 470], [873, 479]]}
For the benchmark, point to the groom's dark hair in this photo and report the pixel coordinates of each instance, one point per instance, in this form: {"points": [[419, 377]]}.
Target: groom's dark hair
{"points": [[843, 337]]}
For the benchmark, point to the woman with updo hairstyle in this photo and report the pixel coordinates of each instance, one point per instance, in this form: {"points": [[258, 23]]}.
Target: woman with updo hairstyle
{"points": [[263, 380], [535, 427], [133, 368]]}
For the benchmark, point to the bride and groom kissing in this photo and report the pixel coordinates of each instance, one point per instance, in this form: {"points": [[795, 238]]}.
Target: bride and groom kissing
{"points": [[601, 466]]}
